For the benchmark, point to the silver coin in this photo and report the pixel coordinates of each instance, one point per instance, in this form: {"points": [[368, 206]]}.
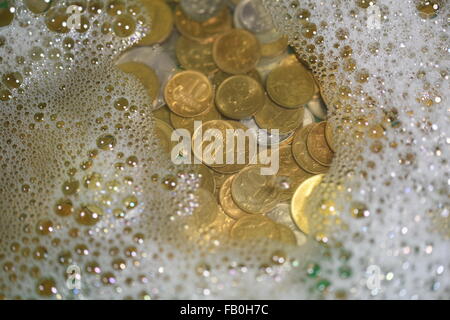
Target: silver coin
{"points": [[263, 136], [317, 107], [201, 10]]}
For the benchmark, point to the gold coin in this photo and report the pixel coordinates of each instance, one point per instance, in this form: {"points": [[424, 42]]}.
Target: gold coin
{"points": [[271, 116], [237, 51], [286, 235], [188, 123], [301, 154], [226, 201], [239, 97], [161, 21], [200, 146], [162, 113], [329, 136], [205, 31], [220, 76], [317, 145], [255, 227], [164, 133], [290, 86], [254, 192], [275, 48], [145, 74], [299, 200], [207, 181], [195, 56], [188, 93], [206, 209]]}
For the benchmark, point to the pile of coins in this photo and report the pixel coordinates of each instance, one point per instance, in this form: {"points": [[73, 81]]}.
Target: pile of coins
{"points": [[237, 72]]}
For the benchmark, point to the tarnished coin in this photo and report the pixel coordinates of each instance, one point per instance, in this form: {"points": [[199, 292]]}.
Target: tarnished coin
{"points": [[188, 123], [290, 86], [206, 176], [301, 154], [329, 136], [236, 52], [205, 31], [205, 139], [239, 97], [145, 74], [226, 200], [317, 145], [254, 192], [275, 48], [271, 116], [255, 227], [206, 209], [299, 200], [161, 19], [188, 93], [195, 56], [164, 133]]}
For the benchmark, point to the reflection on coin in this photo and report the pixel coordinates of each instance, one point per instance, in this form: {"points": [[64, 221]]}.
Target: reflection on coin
{"points": [[195, 56], [271, 116], [205, 31], [161, 19], [145, 74], [226, 201], [301, 154], [317, 145], [164, 132], [236, 52], [207, 181], [239, 97], [254, 192], [206, 209], [329, 136], [298, 202], [290, 86], [188, 123], [188, 93], [254, 227]]}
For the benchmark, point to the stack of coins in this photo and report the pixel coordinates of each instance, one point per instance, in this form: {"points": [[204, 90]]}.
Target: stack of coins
{"points": [[219, 83]]}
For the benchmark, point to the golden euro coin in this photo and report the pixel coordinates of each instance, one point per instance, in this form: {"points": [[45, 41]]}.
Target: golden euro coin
{"points": [[227, 203], [301, 154], [317, 145], [206, 209], [255, 227], [237, 51], [164, 133], [205, 31], [254, 192], [271, 116], [188, 93], [207, 181], [161, 20], [188, 123], [286, 235], [275, 48], [290, 86], [195, 56], [206, 138], [329, 136], [239, 97], [145, 74], [299, 200], [162, 113]]}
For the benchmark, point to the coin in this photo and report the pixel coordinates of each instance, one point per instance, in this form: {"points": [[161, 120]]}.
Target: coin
{"points": [[329, 136], [164, 133], [239, 97], [162, 113], [254, 227], [221, 76], [188, 123], [188, 93], [195, 56], [286, 235], [205, 31], [254, 192], [145, 74], [161, 19], [226, 201], [301, 154], [281, 214], [201, 145], [206, 176], [271, 116], [317, 145], [299, 200], [275, 48], [206, 209], [290, 86], [201, 10], [236, 52]]}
